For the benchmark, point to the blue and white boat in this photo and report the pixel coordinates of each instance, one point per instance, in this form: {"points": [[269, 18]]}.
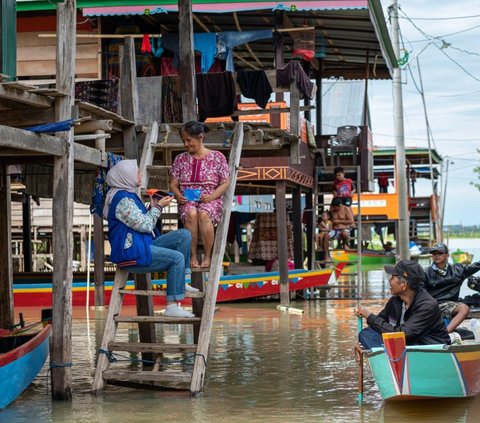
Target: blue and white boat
{"points": [[23, 353]]}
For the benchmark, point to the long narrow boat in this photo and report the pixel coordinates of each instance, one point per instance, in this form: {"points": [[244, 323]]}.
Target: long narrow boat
{"points": [[425, 371], [22, 355], [368, 258], [231, 287]]}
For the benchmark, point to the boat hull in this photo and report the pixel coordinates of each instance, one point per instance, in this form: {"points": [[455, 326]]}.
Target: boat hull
{"points": [[367, 259], [231, 287], [20, 366], [431, 371]]}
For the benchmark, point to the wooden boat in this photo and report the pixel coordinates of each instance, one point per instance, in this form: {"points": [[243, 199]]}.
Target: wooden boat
{"points": [[231, 287], [22, 355], [462, 257], [369, 258], [425, 371]]}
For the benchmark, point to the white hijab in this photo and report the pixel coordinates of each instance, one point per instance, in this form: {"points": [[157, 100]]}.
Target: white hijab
{"points": [[121, 177]]}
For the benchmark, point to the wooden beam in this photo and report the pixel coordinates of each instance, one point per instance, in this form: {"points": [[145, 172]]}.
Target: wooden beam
{"points": [[25, 97], [282, 240], [187, 63], [294, 123], [129, 96], [6, 269], [62, 208], [20, 118], [30, 141]]}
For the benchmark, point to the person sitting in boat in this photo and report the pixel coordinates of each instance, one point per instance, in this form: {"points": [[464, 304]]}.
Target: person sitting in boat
{"points": [[324, 226], [205, 172], [411, 310], [342, 187], [443, 282], [136, 243], [342, 222]]}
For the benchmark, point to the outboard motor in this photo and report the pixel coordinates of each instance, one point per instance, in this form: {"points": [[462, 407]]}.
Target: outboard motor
{"points": [[473, 282]]}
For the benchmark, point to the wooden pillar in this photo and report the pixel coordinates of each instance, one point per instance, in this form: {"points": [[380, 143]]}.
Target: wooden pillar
{"points": [[62, 208], [282, 240], [27, 233], [279, 63], [6, 269], [99, 260], [318, 102], [310, 204], [98, 243], [187, 62], [297, 228], [294, 123], [129, 96]]}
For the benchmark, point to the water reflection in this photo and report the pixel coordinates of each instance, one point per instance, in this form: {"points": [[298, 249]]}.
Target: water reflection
{"points": [[264, 365]]}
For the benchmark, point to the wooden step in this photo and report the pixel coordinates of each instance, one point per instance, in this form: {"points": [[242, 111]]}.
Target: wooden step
{"points": [[148, 376], [157, 319], [153, 293], [143, 347]]}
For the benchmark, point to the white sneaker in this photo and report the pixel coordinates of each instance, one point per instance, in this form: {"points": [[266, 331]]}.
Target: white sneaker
{"points": [[174, 310], [190, 288]]}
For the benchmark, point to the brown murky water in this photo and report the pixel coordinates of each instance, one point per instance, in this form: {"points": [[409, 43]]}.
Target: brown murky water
{"points": [[264, 365]]}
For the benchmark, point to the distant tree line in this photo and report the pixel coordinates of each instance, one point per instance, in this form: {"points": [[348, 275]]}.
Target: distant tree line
{"points": [[461, 231]]}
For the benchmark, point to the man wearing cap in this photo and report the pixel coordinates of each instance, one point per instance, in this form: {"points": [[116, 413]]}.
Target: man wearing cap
{"points": [[443, 282], [411, 310]]}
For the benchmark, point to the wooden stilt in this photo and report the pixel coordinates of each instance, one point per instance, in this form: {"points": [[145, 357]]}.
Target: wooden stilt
{"points": [[282, 241], [6, 269], [62, 209]]}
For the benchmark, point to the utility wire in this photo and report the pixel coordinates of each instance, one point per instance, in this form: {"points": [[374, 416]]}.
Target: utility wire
{"points": [[445, 19]]}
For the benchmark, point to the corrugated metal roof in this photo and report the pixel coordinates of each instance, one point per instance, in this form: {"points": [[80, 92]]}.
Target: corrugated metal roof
{"points": [[203, 6]]}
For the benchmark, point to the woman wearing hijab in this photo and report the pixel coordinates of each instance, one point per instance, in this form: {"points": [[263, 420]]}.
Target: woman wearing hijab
{"points": [[205, 171], [136, 244]]}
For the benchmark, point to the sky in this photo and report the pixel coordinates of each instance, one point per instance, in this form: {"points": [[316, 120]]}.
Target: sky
{"points": [[431, 30]]}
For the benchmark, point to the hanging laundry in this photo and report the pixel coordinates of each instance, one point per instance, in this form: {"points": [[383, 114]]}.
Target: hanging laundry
{"points": [[216, 95], [146, 47], [203, 42], [303, 44], [226, 41], [293, 71], [101, 187], [158, 50], [255, 84]]}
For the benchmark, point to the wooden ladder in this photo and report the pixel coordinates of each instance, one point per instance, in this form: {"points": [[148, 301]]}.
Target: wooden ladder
{"points": [[204, 302]]}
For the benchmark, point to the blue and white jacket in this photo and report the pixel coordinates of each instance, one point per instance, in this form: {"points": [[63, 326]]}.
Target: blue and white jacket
{"points": [[131, 230]]}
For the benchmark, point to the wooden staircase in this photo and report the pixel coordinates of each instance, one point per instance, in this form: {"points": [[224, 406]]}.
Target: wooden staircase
{"points": [[203, 304]]}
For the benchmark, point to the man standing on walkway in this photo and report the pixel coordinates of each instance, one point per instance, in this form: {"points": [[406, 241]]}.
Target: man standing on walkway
{"points": [[443, 282]]}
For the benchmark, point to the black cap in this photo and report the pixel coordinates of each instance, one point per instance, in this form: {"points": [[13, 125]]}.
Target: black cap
{"points": [[440, 247], [409, 270]]}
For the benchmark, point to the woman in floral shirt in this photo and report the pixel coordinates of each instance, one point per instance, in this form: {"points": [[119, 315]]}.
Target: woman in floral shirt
{"points": [[199, 168]]}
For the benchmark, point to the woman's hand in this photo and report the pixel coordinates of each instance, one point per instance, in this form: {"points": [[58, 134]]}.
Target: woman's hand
{"points": [[181, 199], [165, 201], [206, 198]]}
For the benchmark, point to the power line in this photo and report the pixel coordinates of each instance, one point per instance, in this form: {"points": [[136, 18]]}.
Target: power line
{"points": [[425, 139], [444, 19]]}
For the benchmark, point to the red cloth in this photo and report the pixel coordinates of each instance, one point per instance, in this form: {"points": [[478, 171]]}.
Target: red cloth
{"points": [[146, 46]]}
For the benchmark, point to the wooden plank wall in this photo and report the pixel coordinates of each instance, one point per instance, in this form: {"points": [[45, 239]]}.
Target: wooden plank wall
{"points": [[36, 56]]}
